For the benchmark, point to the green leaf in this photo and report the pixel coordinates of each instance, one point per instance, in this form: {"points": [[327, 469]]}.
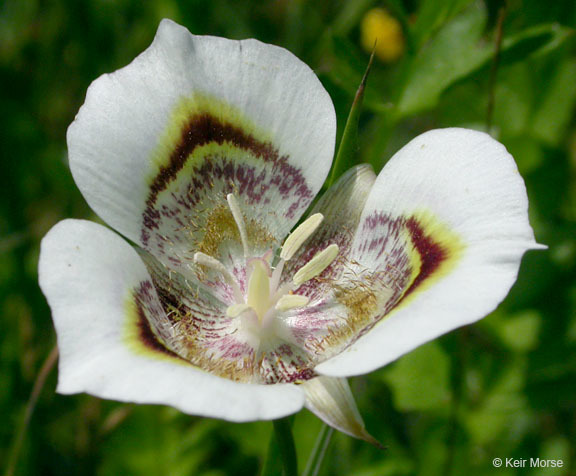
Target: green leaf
{"points": [[453, 53], [164, 445], [552, 118], [515, 96], [421, 379], [538, 40], [432, 15], [503, 410], [350, 15], [527, 151], [520, 331], [457, 51], [556, 448]]}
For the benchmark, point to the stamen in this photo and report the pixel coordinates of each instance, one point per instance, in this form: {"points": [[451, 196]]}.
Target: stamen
{"points": [[236, 309], [300, 235], [316, 265], [239, 219], [291, 301], [206, 260]]}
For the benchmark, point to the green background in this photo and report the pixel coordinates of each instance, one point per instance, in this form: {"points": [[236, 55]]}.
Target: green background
{"points": [[504, 387]]}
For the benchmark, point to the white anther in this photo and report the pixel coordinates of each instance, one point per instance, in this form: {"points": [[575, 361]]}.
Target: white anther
{"points": [[300, 235], [236, 309], [316, 265], [239, 219], [291, 301], [212, 263]]}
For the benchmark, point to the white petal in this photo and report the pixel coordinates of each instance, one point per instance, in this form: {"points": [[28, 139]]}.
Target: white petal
{"points": [[331, 400], [87, 273], [161, 142], [452, 200]]}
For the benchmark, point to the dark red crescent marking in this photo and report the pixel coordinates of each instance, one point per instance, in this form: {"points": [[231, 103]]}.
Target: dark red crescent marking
{"points": [[200, 130], [431, 253]]}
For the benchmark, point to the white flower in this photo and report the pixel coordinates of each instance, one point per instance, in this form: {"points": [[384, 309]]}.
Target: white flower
{"points": [[205, 153]]}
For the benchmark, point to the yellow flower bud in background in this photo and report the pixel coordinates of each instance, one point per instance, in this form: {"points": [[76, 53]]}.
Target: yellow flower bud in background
{"points": [[379, 27]]}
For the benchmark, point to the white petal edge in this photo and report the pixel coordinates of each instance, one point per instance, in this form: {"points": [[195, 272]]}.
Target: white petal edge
{"points": [[470, 183], [126, 112], [85, 271]]}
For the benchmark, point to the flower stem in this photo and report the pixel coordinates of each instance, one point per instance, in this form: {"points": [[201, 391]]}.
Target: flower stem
{"points": [[283, 432], [319, 452], [459, 395], [23, 426]]}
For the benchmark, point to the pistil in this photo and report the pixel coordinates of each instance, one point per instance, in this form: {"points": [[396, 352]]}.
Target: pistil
{"points": [[264, 295], [258, 295]]}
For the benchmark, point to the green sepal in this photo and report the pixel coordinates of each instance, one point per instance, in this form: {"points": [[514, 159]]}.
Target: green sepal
{"points": [[348, 147]]}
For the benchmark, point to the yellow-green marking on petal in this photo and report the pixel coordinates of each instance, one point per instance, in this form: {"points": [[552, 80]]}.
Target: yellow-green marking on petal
{"points": [[139, 336]]}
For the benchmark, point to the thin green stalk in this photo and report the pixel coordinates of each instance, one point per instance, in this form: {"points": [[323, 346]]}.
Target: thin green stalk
{"points": [[47, 367], [283, 433], [494, 70], [319, 452], [458, 399], [349, 143]]}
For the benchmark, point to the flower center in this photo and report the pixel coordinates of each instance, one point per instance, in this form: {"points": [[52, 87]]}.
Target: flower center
{"points": [[265, 295]]}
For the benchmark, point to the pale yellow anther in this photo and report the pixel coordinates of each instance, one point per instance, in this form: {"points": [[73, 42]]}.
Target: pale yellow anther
{"points": [[291, 301], [300, 235], [239, 219], [316, 265], [259, 289], [236, 309]]}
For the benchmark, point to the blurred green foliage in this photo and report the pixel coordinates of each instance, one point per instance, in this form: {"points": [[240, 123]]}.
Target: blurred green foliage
{"points": [[504, 387]]}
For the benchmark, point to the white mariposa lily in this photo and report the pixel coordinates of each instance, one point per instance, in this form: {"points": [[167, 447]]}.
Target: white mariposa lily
{"points": [[205, 153]]}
